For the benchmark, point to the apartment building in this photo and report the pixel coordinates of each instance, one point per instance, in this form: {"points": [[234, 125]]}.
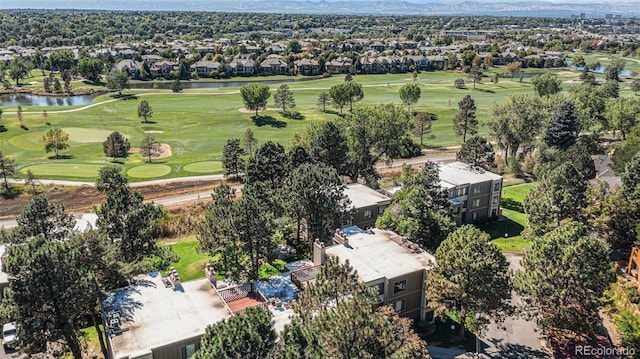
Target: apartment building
{"points": [[369, 204], [397, 268], [474, 192]]}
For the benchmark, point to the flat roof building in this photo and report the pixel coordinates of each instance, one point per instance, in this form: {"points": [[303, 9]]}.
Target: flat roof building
{"points": [[150, 320], [368, 203], [397, 268]]}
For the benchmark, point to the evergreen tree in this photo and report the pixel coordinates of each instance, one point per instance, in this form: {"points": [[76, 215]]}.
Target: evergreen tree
{"points": [[110, 178], [51, 292], [298, 156], [232, 157], [7, 169], [176, 86], [314, 193], [268, 164], [563, 278], [323, 100], [126, 220], [329, 146], [249, 335], [471, 279], [562, 132], [249, 141], [116, 146], [465, 122], [477, 152], [422, 126], [558, 196], [43, 218], [217, 234], [284, 98], [420, 210]]}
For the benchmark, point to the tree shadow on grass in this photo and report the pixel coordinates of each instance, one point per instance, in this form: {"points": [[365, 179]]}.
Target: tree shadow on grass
{"points": [[124, 96], [293, 115], [485, 90], [148, 122], [501, 227], [61, 157], [268, 121]]}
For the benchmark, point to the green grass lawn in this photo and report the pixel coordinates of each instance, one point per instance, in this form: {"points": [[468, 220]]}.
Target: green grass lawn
{"points": [[197, 123], [506, 234], [191, 263]]}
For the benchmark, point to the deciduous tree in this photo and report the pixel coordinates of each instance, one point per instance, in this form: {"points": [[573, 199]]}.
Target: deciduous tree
{"points": [[91, 68], [117, 80], [420, 210], [546, 84], [255, 96], [56, 140], [323, 100], [470, 279], [409, 94], [144, 110], [149, 147]]}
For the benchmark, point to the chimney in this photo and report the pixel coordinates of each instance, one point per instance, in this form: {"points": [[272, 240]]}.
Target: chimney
{"points": [[318, 253], [210, 273]]}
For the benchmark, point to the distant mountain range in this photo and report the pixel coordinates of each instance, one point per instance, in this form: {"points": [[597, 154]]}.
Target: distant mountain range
{"points": [[548, 8]]}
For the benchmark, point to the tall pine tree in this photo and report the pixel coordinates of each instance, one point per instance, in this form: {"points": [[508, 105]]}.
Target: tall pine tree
{"points": [[562, 132]]}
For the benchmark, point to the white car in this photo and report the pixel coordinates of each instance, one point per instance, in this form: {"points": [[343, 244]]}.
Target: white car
{"points": [[10, 335]]}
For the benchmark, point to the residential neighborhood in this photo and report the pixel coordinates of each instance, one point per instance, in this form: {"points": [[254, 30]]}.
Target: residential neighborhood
{"points": [[291, 184]]}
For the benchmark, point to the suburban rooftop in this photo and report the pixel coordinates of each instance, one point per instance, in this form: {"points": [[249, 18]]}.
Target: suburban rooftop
{"points": [[379, 253], [363, 196], [458, 173], [154, 315]]}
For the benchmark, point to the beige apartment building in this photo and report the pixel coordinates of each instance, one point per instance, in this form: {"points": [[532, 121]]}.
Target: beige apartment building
{"points": [[397, 268]]}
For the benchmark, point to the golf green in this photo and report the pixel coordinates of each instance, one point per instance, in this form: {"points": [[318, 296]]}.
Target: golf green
{"points": [[204, 167], [71, 170], [149, 171]]}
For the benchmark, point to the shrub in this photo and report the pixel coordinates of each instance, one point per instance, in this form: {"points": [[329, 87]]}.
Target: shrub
{"points": [[459, 84]]}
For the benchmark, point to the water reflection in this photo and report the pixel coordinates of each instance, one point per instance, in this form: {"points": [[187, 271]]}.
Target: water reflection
{"points": [[37, 100]]}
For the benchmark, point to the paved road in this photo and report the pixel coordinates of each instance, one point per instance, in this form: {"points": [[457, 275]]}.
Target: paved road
{"points": [[520, 338]]}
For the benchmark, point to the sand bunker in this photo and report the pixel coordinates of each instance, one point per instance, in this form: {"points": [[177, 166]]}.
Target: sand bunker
{"points": [[165, 150]]}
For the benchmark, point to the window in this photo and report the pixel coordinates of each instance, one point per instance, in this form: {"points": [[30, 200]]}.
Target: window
{"points": [[380, 288], [381, 209], [429, 316], [477, 189], [400, 286], [462, 191], [494, 200], [476, 202], [367, 213], [474, 216], [496, 187], [189, 350], [399, 306], [455, 210]]}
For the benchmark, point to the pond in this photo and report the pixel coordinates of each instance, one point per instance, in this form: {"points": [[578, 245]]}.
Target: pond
{"points": [[37, 100]]}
